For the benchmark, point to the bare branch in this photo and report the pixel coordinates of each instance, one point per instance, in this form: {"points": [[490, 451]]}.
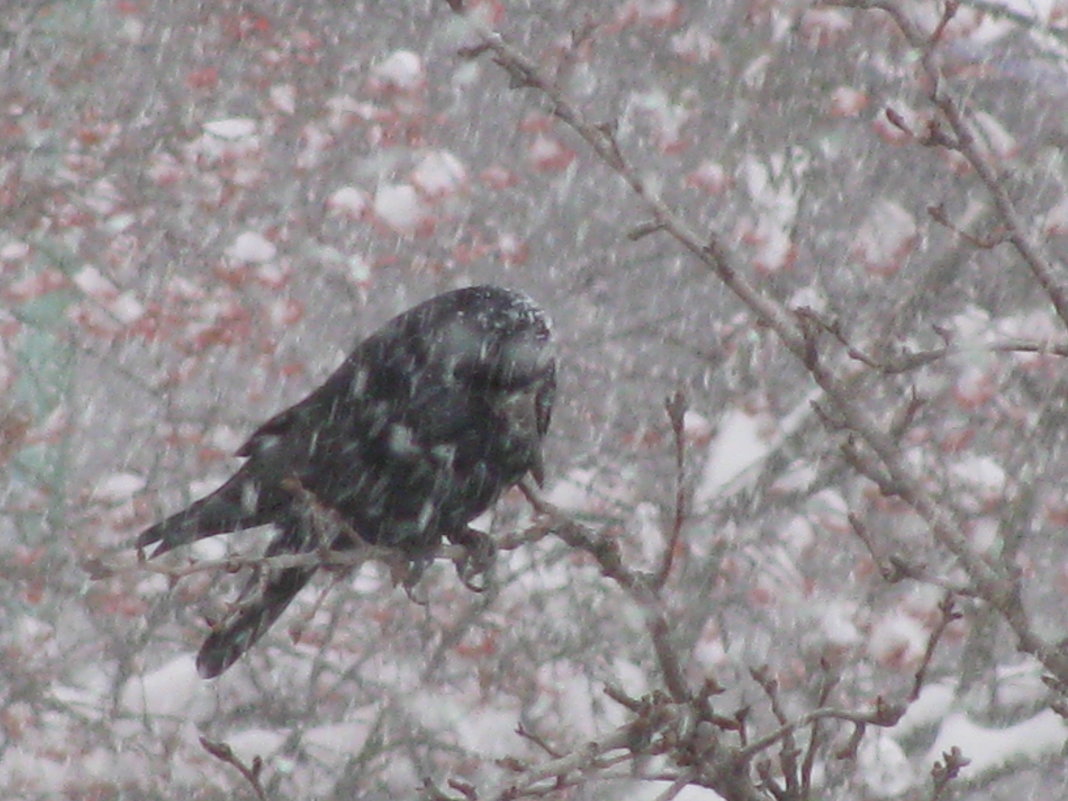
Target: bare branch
{"points": [[988, 242], [676, 410], [966, 141], [538, 741], [884, 715], [639, 586], [946, 770], [587, 757], [224, 753], [991, 580], [949, 614], [325, 557]]}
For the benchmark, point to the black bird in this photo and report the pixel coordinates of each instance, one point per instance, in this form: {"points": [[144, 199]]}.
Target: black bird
{"points": [[419, 431]]}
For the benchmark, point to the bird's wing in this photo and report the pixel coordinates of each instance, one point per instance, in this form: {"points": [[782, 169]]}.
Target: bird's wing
{"points": [[302, 418]]}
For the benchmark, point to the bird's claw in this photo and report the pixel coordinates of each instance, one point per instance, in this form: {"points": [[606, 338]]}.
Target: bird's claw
{"points": [[412, 574], [480, 553]]}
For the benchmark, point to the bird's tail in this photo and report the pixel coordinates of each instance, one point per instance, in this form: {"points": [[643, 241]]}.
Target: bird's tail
{"points": [[248, 622], [235, 505], [252, 616]]}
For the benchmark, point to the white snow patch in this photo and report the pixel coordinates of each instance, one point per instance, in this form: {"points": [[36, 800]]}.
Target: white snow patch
{"points": [[350, 201], [696, 427], [649, 529], [666, 115], [399, 207], [897, 638], [117, 223], [1035, 324], [970, 326], [336, 739], [1021, 684], [577, 491], [481, 729], [1002, 143], [710, 653], [695, 45], [808, 297], [489, 731], [548, 153], [774, 184], [26, 767], [1055, 221], [934, 702], [7, 368], [884, 767], [886, 236], [87, 692], [118, 487], [169, 691], [651, 791], [797, 535], [126, 308], [736, 447], [990, 748], [401, 69], [231, 129], [13, 251], [631, 678], [252, 247], [93, 283], [836, 622], [283, 97], [226, 438], [359, 269], [252, 743], [439, 174], [571, 694], [314, 142], [980, 471]]}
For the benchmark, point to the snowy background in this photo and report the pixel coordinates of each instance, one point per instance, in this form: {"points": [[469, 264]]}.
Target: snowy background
{"points": [[203, 205]]}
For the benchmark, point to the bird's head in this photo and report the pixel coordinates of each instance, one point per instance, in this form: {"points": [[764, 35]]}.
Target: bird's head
{"points": [[493, 336]]}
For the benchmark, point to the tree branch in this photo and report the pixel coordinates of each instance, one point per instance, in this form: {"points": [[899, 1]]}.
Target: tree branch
{"points": [[993, 582]]}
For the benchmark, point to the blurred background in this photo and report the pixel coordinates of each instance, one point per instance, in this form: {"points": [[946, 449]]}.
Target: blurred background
{"points": [[204, 205]]}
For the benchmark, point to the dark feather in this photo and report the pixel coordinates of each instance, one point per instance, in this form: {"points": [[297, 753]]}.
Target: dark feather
{"points": [[418, 432]]}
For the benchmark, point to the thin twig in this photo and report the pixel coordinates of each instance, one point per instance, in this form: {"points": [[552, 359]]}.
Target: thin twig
{"points": [[327, 558], [815, 738], [639, 586], [884, 715], [990, 580], [965, 140], [224, 753], [946, 770], [949, 614], [789, 751], [676, 410]]}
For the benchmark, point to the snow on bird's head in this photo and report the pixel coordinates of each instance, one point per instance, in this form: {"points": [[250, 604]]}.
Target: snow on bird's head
{"points": [[499, 334]]}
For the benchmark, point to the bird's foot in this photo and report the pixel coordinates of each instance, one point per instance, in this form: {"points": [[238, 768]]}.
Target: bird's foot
{"points": [[410, 575], [480, 552]]}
